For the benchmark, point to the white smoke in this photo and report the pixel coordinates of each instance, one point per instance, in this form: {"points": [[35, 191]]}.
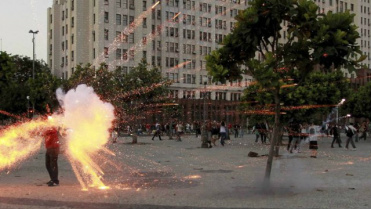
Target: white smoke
{"points": [[87, 120]]}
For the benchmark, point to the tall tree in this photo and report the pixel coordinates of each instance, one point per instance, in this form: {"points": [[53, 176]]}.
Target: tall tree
{"points": [[358, 104], [19, 90], [311, 39]]}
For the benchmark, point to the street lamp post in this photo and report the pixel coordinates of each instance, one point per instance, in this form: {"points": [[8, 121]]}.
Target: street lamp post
{"points": [[204, 125], [337, 110], [33, 63]]}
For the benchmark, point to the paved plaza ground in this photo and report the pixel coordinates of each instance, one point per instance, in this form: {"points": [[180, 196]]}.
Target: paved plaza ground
{"points": [[171, 174]]}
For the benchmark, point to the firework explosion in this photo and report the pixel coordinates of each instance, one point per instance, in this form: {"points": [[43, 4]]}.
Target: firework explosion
{"points": [[87, 121]]}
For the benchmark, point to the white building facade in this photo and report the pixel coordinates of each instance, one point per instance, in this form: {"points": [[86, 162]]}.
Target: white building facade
{"points": [[174, 35]]}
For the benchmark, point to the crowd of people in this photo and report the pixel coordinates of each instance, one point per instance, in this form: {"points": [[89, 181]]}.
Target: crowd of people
{"points": [[297, 133]]}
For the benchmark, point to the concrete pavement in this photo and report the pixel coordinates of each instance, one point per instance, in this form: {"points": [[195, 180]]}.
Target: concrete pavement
{"points": [[171, 174]]}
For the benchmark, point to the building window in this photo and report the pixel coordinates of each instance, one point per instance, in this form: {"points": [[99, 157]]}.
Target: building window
{"points": [[144, 22], [118, 19], [72, 56], [106, 34], [144, 5], [118, 54], [118, 3], [106, 20], [72, 5], [106, 52], [124, 20]]}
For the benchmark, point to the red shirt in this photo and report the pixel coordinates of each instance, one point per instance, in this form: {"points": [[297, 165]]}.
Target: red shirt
{"points": [[51, 138]]}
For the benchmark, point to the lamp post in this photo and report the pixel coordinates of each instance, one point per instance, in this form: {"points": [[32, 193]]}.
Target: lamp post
{"points": [[204, 125], [337, 110], [33, 63], [28, 106]]}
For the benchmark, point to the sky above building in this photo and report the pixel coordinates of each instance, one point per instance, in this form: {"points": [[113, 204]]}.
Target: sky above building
{"points": [[17, 18]]}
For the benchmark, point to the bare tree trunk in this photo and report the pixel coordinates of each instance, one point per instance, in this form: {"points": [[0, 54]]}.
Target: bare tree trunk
{"points": [[274, 140]]}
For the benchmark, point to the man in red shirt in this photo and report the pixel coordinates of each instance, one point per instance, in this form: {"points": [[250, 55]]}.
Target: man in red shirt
{"points": [[52, 150]]}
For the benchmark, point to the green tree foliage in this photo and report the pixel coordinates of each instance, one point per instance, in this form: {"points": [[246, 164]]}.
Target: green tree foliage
{"points": [[316, 95], [129, 92], [16, 83], [311, 39], [358, 104]]}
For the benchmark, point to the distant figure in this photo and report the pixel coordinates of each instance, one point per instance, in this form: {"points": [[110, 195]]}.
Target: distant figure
{"points": [[157, 131], [214, 132], [114, 136], [363, 130], [236, 127], [223, 133], [313, 144], [350, 131], [294, 129], [255, 130], [336, 136], [179, 131]]}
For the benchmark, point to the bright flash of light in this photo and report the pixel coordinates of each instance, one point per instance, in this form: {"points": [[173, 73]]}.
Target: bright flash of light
{"points": [[90, 120], [193, 177], [155, 5], [20, 141]]}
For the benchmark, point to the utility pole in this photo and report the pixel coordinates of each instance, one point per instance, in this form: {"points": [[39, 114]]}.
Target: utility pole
{"points": [[33, 64]]}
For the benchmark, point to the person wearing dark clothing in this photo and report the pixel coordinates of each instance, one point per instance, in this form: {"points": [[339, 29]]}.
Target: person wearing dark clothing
{"points": [[336, 134], [236, 127], [223, 133], [263, 133], [363, 130], [51, 156], [197, 128], [350, 131], [157, 132], [256, 131], [214, 133], [294, 130]]}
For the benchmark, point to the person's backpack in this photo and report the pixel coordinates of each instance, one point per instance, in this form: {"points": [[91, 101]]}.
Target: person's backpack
{"points": [[349, 132]]}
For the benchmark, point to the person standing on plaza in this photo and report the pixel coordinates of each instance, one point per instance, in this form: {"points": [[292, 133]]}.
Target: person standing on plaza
{"points": [[336, 136], [214, 132], [223, 133], [263, 133], [157, 131], [350, 131], [179, 131], [236, 128], [255, 130], [313, 144], [240, 131], [363, 130], [197, 128], [51, 137], [295, 132]]}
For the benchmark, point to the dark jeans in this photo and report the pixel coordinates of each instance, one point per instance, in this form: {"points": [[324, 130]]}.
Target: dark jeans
{"points": [[350, 139], [51, 163], [157, 133], [364, 135], [337, 140], [223, 136]]}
